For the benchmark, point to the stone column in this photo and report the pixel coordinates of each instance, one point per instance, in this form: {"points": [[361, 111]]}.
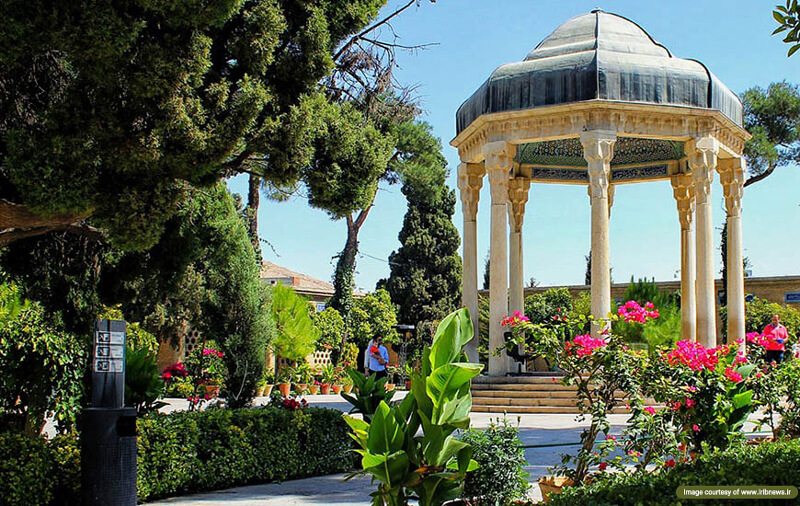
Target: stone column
{"points": [[598, 150], [683, 190], [731, 175], [498, 158], [470, 181], [702, 153], [517, 198]]}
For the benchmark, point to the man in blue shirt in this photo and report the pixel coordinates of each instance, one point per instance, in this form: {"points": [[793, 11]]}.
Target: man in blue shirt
{"points": [[378, 357]]}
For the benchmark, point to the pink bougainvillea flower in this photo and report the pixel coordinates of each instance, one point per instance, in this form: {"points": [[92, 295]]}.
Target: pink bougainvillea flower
{"points": [[690, 403], [733, 375], [583, 345], [611, 438], [695, 427], [602, 466], [631, 311], [650, 409], [693, 355], [674, 406], [669, 463], [634, 453]]}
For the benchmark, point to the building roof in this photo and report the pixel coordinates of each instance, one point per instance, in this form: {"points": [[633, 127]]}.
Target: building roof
{"points": [[602, 56], [303, 283]]}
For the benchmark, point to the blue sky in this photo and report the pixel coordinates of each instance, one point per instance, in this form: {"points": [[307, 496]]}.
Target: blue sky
{"points": [[473, 38]]}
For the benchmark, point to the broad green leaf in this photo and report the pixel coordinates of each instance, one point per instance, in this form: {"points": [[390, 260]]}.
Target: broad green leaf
{"points": [[453, 333], [743, 399], [793, 50], [385, 435], [745, 370], [448, 450], [355, 423], [446, 382]]}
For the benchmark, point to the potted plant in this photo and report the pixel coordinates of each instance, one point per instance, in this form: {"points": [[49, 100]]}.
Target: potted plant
{"points": [[206, 364], [302, 377], [347, 384], [265, 384], [327, 378], [313, 388], [393, 372], [284, 380]]}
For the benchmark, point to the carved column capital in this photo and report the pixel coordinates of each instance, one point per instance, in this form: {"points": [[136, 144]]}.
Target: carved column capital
{"points": [[498, 159], [470, 182], [702, 156], [598, 150], [683, 191], [731, 175], [517, 198]]}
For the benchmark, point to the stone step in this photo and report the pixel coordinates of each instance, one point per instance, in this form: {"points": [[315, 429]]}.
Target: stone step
{"points": [[528, 380], [520, 387], [530, 394], [535, 409], [516, 401]]}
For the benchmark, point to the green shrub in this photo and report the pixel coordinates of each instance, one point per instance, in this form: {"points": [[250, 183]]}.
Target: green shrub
{"points": [[758, 313], [194, 451], [500, 477], [768, 464], [66, 453], [26, 470]]}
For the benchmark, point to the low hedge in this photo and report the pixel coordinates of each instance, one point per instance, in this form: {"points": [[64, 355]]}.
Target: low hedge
{"points": [[768, 464], [194, 451], [186, 452]]}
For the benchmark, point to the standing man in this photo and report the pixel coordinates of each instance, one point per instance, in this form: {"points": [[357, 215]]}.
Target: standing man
{"points": [[776, 335], [367, 356], [378, 357]]}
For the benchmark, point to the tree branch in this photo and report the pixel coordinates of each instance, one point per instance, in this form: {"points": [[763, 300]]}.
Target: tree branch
{"points": [[371, 28], [759, 177]]}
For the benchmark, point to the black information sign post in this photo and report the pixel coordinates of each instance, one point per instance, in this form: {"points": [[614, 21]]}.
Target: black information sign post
{"points": [[108, 441]]}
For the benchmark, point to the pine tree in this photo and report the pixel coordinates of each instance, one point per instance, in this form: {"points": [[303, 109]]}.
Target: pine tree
{"points": [[425, 281]]}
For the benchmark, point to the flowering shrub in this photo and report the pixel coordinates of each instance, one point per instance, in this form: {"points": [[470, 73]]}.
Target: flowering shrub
{"points": [[173, 372], [631, 312], [704, 391], [599, 367], [292, 404]]}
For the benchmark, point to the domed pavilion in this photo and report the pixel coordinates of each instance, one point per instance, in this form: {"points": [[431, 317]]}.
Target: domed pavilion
{"points": [[599, 103]]}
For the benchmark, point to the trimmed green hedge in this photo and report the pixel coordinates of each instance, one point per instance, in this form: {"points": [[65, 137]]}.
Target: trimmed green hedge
{"points": [[187, 452], [193, 451], [769, 464]]}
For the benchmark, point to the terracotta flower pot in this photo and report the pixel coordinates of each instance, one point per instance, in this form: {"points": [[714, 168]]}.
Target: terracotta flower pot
{"points": [[408, 384], [325, 388], [314, 389], [553, 485], [285, 388], [336, 388], [301, 388], [267, 390], [347, 388], [389, 387], [212, 390]]}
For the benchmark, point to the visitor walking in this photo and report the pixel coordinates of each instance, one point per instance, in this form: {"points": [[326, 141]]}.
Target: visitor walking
{"points": [[378, 357], [777, 336]]}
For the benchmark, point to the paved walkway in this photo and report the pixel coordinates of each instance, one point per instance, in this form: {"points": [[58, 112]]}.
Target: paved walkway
{"points": [[534, 429]]}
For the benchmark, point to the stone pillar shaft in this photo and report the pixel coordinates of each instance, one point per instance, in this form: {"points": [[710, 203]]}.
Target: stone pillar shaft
{"points": [[470, 181], [517, 198], [683, 190], [731, 174], [598, 150], [498, 158], [702, 153]]}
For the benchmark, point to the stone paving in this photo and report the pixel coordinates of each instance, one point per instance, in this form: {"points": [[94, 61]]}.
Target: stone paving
{"points": [[534, 429]]}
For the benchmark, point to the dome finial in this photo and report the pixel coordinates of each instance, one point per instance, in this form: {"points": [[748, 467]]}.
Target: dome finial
{"points": [[598, 9]]}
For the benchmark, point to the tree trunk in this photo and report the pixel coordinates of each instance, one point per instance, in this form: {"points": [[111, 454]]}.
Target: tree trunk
{"points": [[342, 299], [253, 200]]}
